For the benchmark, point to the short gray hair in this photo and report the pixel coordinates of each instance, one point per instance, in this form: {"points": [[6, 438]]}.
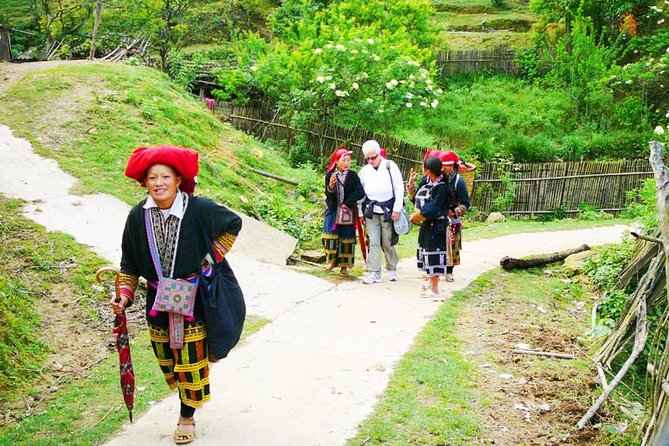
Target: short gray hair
{"points": [[371, 147]]}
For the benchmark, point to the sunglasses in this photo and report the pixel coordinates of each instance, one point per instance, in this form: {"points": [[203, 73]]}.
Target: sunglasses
{"points": [[371, 158]]}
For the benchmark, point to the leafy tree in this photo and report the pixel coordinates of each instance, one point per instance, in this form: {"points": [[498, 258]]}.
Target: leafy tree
{"points": [[59, 19]]}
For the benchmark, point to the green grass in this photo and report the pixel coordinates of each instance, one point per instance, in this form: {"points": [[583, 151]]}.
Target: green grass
{"points": [[512, 20], [90, 117], [31, 271], [90, 410], [437, 396], [477, 6]]}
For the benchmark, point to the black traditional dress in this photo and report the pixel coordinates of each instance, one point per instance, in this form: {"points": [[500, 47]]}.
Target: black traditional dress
{"points": [[339, 240], [432, 202], [180, 237]]}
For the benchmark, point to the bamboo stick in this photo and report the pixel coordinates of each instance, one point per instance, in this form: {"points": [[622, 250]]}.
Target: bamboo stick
{"points": [[542, 353]]}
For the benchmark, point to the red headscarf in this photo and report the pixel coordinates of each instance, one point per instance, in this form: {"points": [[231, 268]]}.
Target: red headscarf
{"points": [[431, 152], [336, 155], [383, 152], [448, 158], [184, 161]]}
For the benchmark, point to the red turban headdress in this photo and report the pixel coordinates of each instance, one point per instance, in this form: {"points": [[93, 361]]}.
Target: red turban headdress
{"points": [[448, 158], [336, 155], [184, 161], [431, 152]]}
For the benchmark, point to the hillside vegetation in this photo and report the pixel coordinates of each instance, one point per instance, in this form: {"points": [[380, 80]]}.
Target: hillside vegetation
{"points": [[91, 117]]}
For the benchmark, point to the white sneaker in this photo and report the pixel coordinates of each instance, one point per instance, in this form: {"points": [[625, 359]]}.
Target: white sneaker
{"points": [[449, 277], [372, 277], [392, 275]]}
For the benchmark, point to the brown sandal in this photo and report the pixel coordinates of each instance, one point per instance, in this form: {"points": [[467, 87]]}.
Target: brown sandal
{"points": [[184, 436], [344, 272]]}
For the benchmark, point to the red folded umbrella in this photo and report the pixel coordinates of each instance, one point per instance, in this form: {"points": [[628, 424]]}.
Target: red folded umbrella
{"points": [[123, 347], [361, 229]]}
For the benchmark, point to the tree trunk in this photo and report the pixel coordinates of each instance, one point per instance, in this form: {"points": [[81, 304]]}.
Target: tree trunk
{"points": [[96, 28], [509, 263]]}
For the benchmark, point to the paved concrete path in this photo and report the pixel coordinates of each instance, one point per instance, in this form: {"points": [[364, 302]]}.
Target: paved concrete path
{"points": [[316, 371]]}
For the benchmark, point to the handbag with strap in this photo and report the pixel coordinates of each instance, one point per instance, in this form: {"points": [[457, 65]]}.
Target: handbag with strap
{"points": [[344, 216], [172, 295], [223, 305], [401, 225]]}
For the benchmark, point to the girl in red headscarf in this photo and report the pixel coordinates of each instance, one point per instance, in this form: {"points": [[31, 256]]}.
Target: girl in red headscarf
{"points": [[343, 190], [458, 203], [173, 235]]}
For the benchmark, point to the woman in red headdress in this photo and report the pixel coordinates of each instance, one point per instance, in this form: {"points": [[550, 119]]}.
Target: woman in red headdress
{"points": [[173, 235], [342, 192], [458, 204]]}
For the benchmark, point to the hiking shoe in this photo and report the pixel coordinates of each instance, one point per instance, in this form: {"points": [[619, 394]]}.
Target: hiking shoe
{"points": [[372, 277], [392, 275]]}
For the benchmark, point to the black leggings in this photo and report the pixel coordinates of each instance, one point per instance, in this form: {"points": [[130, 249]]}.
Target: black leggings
{"points": [[187, 411], [449, 269]]}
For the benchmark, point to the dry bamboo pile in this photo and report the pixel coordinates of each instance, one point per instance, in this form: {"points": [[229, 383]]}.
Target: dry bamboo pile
{"points": [[633, 326]]}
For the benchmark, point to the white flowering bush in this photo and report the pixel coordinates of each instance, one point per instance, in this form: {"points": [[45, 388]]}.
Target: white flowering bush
{"points": [[361, 83]]}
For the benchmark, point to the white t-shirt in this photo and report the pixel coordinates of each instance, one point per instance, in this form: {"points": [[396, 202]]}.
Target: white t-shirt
{"points": [[378, 186]]}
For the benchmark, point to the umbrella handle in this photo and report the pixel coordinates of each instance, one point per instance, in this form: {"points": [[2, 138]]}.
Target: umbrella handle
{"points": [[117, 279]]}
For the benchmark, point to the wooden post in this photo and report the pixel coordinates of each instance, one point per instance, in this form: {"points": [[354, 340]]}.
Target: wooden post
{"points": [[5, 45], [96, 28]]}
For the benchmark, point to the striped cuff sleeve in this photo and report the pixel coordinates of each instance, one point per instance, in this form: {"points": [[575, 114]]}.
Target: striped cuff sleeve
{"points": [[223, 244], [127, 286]]}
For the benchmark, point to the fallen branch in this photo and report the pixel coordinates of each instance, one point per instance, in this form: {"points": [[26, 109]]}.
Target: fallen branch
{"points": [[541, 353], [509, 263], [276, 177]]}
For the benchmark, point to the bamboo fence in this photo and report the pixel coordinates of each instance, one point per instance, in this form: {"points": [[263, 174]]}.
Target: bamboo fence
{"points": [[541, 188], [496, 60]]}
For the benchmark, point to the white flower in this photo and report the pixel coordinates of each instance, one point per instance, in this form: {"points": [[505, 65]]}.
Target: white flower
{"points": [[329, 45], [414, 63], [408, 104], [613, 76], [659, 130], [409, 95], [340, 47], [320, 79], [369, 100], [389, 86], [364, 51], [412, 77], [341, 94], [253, 68], [628, 81], [354, 51], [365, 75], [370, 41], [381, 110], [376, 58], [429, 87], [667, 115], [659, 22], [355, 85], [423, 75], [428, 81], [434, 103], [439, 91], [668, 49], [394, 82], [318, 51], [328, 78], [423, 104], [333, 86]]}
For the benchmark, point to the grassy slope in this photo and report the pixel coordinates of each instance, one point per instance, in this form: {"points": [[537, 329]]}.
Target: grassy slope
{"points": [[90, 118], [485, 25]]}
